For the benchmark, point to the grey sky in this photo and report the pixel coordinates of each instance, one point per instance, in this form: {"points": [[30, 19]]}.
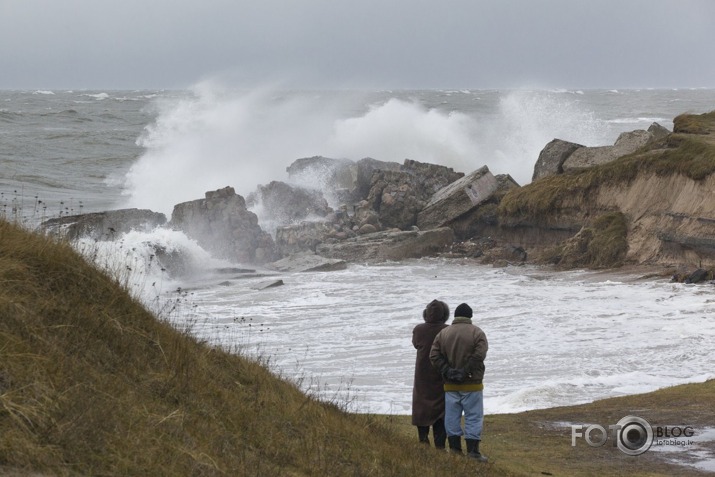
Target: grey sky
{"points": [[72, 44]]}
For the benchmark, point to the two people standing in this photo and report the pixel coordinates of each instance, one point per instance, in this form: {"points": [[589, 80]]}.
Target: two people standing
{"points": [[456, 357]]}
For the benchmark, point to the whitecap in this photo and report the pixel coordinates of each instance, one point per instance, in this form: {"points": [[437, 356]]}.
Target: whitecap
{"points": [[97, 96]]}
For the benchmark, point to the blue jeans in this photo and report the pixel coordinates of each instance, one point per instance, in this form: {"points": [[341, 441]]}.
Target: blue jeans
{"points": [[469, 403]]}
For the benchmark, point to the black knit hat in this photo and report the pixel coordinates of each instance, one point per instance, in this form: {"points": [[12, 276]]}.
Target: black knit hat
{"points": [[463, 310]]}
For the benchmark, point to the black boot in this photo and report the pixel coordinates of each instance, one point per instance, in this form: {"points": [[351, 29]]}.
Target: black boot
{"points": [[423, 434], [455, 444], [473, 450], [440, 434]]}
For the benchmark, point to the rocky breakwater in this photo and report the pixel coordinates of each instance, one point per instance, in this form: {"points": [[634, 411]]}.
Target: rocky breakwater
{"points": [[380, 208], [409, 210], [647, 199], [654, 205]]}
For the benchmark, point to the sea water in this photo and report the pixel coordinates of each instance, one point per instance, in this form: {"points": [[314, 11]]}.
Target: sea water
{"points": [[555, 338]]}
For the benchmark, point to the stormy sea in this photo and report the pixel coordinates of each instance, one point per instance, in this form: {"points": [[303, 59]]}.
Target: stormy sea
{"points": [[555, 338]]}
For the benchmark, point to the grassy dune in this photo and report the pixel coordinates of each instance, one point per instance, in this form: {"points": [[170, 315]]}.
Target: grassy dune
{"points": [[93, 384]]}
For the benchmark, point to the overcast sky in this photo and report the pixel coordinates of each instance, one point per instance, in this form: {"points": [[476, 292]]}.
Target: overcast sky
{"points": [[128, 44]]}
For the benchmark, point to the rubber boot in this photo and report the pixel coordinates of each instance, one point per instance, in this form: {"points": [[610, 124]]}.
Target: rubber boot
{"points": [[473, 450], [455, 444], [423, 434]]}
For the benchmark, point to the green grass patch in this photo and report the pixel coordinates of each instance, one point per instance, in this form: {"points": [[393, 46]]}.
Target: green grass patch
{"points": [[609, 244], [602, 244]]}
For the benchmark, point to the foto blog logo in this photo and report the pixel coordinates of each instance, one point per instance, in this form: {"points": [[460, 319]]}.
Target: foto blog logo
{"points": [[632, 435]]}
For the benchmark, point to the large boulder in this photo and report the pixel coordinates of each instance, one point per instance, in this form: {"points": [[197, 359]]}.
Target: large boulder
{"points": [[481, 219], [222, 224], [398, 196], [279, 203], [657, 131], [390, 245], [307, 262], [307, 235], [106, 225], [365, 168], [335, 178], [552, 157], [394, 198], [433, 177], [627, 143], [317, 170], [301, 237], [457, 199], [559, 156]]}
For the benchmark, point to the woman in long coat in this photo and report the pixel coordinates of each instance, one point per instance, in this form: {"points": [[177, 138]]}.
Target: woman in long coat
{"points": [[428, 390]]}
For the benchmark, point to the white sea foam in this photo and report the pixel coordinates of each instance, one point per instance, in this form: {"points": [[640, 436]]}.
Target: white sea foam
{"points": [[147, 262], [97, 96], [555, 339], [44, 92]]}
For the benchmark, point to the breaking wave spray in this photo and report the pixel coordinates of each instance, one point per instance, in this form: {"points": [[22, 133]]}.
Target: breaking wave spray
{"points": [[214, 137]]}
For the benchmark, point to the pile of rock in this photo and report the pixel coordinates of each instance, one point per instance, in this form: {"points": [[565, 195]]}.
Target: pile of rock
{"points": [[560, 156], [367, 210]]}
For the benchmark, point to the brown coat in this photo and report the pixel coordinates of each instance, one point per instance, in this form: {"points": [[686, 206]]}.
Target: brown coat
{"points": [[428, 392], [464, 346]]}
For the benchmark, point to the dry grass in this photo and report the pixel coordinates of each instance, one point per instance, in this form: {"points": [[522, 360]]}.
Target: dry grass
{"points": [[539, 442], [93, 384], [694, 124]]}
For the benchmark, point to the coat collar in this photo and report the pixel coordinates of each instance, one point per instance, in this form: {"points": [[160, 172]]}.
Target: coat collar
{"points": [[462, 319]]}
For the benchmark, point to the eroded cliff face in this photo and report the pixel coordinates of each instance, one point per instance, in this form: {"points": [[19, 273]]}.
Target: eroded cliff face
{"points": [[665, 192], [671, 219]]}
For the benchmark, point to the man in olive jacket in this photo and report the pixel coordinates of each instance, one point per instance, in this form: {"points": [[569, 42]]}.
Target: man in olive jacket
{"points": [[458, 352]]}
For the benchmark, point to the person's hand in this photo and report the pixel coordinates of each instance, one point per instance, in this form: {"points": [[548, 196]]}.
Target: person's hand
{"points": [[455, 375]]}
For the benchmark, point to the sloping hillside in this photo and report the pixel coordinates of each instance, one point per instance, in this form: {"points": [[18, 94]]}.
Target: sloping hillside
{"points": [[665, 192], [93, 384]]}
